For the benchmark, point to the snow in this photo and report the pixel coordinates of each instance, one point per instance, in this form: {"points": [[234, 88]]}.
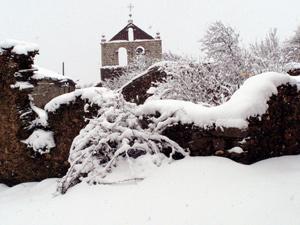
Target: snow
{"points": [[40, 141], [42, 73], [42, 118], [199, 190], [238, 150], [151, 90], [291, 66], [3, 187], [94, 95], [250, 100], [21, 85], [18, 47]]}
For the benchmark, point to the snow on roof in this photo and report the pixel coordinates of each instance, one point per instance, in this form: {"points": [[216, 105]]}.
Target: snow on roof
{"points": [[42, 73], [250, 100], [94, 95], [18, 47]]}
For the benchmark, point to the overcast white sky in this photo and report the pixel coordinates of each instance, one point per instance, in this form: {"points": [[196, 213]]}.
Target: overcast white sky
{"points": [[70, 30]]}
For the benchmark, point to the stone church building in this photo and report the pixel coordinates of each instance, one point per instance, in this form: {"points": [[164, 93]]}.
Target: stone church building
{"points": [[124, 47]]}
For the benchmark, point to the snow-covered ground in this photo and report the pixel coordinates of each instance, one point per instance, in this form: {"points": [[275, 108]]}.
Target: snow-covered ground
{"points": [[193, 191]]}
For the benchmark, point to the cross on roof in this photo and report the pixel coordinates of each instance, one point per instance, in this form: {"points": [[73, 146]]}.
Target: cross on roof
{"points": [[130, 7]]}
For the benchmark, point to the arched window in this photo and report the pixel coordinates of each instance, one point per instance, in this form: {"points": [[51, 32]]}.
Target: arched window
{"points": [[122, 57], [140, 50], [130, 34]]}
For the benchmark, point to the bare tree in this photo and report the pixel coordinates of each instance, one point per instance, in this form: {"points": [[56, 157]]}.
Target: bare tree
{"points": [[213, 81], [221, 47], [267, 55], [292, 48], [195, 82]]}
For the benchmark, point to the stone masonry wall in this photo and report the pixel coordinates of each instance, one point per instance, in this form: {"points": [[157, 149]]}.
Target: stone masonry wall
{"points": [[47, 89], [66, 123], [17, 163], [111, 72], [109, 50], [136, 91], [275, 133]]}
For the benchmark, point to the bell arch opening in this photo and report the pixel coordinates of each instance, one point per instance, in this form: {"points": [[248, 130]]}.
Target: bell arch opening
{"points": [[130, 34], [122, 56]]}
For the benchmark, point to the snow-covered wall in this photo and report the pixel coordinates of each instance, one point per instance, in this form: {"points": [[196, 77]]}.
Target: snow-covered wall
{"points": [[137, 89], [26, 145], [262, 118], [69, 113], [250, 100]]}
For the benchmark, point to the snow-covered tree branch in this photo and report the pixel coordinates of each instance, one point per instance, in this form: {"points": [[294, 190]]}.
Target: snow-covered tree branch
{"points": [[116, 135]]}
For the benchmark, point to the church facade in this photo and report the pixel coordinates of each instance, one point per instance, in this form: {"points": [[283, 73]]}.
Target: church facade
{"points": [[125, 46]]}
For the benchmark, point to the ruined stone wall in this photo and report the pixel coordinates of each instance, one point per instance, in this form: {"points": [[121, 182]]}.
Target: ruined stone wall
{"points": [[111, 72], [17, 162], [47, 89], [66, 123], [10, 121], [294, 72], [109, 50], [275, 133], [136, 91]]}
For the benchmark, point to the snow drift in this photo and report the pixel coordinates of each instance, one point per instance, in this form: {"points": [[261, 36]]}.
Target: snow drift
{"points": [[202, 190]]}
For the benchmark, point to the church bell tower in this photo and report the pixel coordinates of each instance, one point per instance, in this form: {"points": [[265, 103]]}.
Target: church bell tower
{"points": [[125, 46]]}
